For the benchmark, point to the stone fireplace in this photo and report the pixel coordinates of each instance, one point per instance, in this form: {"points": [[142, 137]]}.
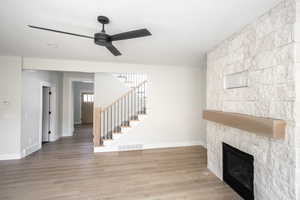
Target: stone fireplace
{"points": [[264, 56]]}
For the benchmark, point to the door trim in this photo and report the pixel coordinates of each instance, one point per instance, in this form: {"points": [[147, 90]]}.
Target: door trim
{"points": [[53, 124]]}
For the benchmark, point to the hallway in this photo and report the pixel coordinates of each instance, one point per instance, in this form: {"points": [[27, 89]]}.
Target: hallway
{"points": [[68, 169]]}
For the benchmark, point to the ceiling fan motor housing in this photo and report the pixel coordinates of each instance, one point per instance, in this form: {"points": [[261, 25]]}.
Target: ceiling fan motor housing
{"points": [[102, 39]]}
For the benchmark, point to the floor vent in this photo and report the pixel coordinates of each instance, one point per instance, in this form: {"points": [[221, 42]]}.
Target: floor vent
{"points": [[130, 147]]}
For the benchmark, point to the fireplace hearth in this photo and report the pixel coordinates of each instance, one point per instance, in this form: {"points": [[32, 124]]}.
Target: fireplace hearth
{"points": [[238, 171]]}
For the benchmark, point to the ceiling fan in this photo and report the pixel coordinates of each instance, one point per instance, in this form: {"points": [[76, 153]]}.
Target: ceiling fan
{"points": [[104, 39]]}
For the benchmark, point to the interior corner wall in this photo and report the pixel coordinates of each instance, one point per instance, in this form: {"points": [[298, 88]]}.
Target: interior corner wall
{"points": [[10, 107], [31, 108], [202, 88]]}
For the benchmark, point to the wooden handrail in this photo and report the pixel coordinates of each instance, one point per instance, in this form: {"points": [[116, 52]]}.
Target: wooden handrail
{"points": [[110, 125], [107, 107], [116, 116]]}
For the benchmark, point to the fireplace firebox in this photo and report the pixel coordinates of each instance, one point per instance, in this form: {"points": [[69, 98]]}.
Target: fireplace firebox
{"points": [[238, 171]]}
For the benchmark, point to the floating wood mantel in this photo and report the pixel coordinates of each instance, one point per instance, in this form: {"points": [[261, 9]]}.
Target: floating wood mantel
{"points": [[268, 127]]}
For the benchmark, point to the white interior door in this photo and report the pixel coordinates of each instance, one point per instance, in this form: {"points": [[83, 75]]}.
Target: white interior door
{"points": [[46, 114]]}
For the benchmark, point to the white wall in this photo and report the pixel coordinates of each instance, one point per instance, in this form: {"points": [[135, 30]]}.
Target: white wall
{"points": [[176, 98], [68, 104], [202, 88], [79, 88], [10, 107], [31, 108], [174, 111], [107, 89]]}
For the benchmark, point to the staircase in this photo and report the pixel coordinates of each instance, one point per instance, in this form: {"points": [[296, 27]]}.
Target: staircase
{"points": [[116, 119]]}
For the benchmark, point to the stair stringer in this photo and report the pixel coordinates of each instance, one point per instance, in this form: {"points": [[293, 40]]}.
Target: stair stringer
{"points": [[116, 144]]}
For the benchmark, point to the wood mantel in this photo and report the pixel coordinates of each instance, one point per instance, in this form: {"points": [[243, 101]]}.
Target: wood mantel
{"points": [[268, 127]]}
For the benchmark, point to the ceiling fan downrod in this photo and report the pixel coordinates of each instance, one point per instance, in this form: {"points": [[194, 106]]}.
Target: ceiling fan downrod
{"points": [[103, 20]]}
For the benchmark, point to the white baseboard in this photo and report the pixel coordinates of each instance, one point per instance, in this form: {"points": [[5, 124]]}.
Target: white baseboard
{"points": [[67, 134], [10, 156], [29, 150], [54, 138], [25, 152], [114, 148], [170, 145]]}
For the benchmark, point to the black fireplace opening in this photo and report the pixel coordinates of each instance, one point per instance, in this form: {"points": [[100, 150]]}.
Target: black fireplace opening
{"points": [[238, 171]]}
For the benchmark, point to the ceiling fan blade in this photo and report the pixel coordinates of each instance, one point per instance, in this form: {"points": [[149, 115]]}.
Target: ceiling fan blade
{"points": [[56, 31], [131, 34], [113, 50]]}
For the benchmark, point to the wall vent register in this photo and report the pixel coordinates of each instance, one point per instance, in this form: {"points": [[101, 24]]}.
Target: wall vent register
{"points": [[236, 80]]}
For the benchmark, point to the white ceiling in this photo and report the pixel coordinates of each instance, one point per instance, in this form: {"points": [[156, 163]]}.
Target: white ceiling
{"points": [[182, 29]]}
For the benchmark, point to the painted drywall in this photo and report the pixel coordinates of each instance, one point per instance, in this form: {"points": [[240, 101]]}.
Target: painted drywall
{"points": [[202, 88], [68, 98], [92, 66], [174, 111], [177, 93], [10, 107], [31, 107], [107, 89], [78, 89]]}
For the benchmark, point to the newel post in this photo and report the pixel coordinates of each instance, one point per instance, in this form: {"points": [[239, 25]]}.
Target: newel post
{"points": [[97, 127]]}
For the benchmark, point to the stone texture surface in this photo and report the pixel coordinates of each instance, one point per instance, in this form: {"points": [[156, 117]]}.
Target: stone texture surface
{"points": [[266, 48], [297, 95]]}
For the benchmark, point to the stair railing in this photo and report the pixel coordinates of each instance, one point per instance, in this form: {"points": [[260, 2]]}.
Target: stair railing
{"points": [[132, 79], [112, 118]]}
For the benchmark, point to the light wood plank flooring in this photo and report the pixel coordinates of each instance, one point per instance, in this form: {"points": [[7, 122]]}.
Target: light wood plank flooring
{"points": [[68, 169]]}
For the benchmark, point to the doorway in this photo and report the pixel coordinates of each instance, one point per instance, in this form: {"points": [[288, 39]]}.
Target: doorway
{"points": [[83, 103], [87, 108], [46, 117]]}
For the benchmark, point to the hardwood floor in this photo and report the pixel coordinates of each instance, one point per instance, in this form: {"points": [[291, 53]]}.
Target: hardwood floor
{"points": [[68, 169]]}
